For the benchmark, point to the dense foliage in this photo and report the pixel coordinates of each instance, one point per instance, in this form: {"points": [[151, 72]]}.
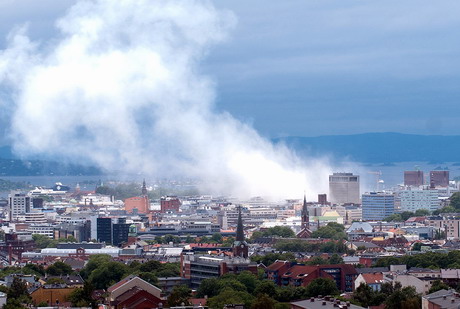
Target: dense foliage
{"points": [[331, 231], [393, 296], [434, 260], [248, 289], [298, 245], [43, 241], [276, 231]]}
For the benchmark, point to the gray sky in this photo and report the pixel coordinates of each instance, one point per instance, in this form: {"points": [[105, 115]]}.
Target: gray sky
{"points": [[324, 67]]}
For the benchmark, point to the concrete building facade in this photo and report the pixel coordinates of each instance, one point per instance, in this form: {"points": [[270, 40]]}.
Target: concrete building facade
{"points": [[412, 200], [344, 188]]}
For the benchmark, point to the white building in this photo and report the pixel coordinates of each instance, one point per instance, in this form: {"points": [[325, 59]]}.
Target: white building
{"points": [[19, 204], [344, 188], [42, 229], [415, 199]]}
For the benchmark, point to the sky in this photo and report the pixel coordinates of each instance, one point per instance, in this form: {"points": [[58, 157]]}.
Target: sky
{"points": [[309, 68]]}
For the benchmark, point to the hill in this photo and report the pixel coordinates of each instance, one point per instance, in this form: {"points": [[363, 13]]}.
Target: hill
{"points": [[379, 147]]}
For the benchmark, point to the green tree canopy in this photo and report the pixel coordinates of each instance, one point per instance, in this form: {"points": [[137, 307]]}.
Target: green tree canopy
{"points": [[59, 269], [322, 286], [180, 295], [331, 231]]}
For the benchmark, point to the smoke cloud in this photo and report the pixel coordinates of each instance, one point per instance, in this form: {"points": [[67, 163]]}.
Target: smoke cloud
{"points": [[121, 87]]}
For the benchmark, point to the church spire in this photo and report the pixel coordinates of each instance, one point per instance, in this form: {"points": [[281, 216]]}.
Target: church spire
{"points": [[240, 246], [144, 188], [239, 227], [305, 215]]}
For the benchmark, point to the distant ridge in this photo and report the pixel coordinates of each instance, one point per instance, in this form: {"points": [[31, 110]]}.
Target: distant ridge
{"points": [[379, 147], [10, 165]]}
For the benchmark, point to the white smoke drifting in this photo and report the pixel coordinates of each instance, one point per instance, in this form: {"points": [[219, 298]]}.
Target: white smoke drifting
{"points": [[121, 87]]}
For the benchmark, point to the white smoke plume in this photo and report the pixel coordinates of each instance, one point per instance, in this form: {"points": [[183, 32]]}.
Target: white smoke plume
{"points": [[121, 87]]}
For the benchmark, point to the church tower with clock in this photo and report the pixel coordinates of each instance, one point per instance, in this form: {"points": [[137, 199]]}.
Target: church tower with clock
{"points": [[240, 246]]}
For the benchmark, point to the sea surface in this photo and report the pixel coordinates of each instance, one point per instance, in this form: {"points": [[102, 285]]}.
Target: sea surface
{"points": [[392, 174]]}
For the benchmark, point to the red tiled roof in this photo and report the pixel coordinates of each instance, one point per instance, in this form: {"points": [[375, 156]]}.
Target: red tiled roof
{"points": [[277, 265], [373, 278], [297, 270]]}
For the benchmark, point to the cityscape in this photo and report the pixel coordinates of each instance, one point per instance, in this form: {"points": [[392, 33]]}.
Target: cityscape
{"points": [[229, 155]]}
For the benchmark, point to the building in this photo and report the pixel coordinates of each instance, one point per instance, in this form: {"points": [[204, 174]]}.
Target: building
{"points": [[326, 302], [120, 232], [133, 292], [169, 204], [415, 199], [373, 280], [322, 199], [296, 275], [439, 179], [53, 295], [19, 204], [344, 188], [305, 231], [442, 299], [112, 233], [446, 224], [240, 246], [137, 204], [413, 178], [377, 205], [16, 244], [198, 267]]}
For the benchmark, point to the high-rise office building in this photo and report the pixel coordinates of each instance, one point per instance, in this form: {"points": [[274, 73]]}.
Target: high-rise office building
{"points": [[413, 178], [377, 205], [344, 188], [439, 179], [412, 200], [19, 204], [104, 230], [112, 233]]}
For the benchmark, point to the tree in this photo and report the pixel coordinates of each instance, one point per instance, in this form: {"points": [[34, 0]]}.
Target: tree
{"points": [[266, 287], [180, 295], [95, 261], [364, 295], [58, 269], [55, 281], [393, 218], [208, 287], [317, 260], [270, 258], [231, 283], [33, 269], [331, 231], [249, 280], [402, 298], [149, 277], [280, 231], [17, 289], [455, 200], [322, 286], [422, 212], [438, 285], [150, 266], [217, 237], [230, 296], [107, 274], [417, 246], [263, 301], [17, 295], [335, 259]]}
